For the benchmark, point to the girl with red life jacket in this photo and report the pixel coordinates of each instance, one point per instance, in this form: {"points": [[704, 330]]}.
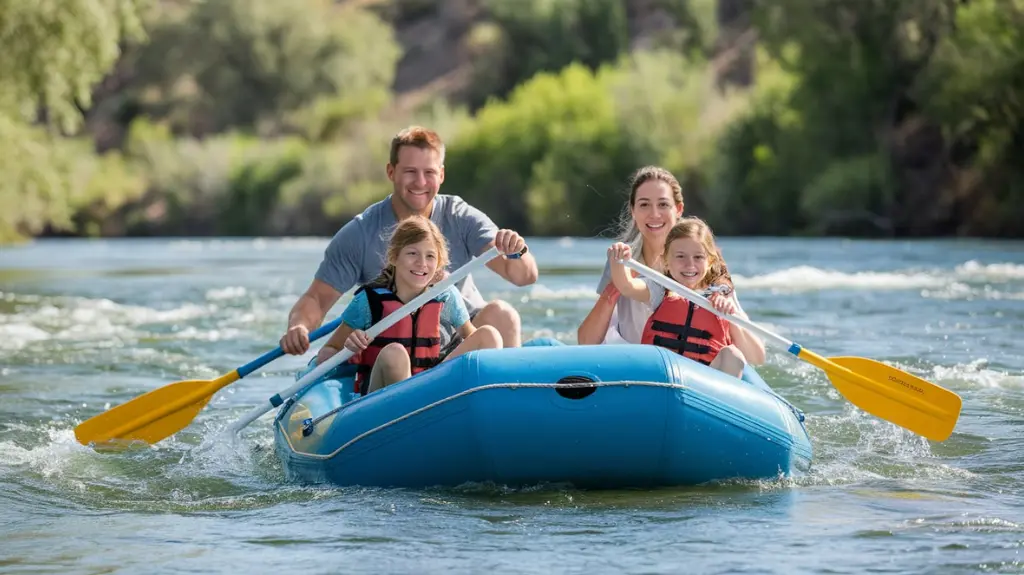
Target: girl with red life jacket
{"points": [[692, 259], [416, 259]]}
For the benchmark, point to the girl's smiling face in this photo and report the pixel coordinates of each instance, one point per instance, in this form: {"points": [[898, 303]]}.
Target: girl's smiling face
{"points": [[416, 265], [687, 262]]}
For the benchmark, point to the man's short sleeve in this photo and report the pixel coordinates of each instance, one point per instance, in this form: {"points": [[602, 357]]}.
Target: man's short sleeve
{"points": [[340, 267], [475, 227], [357, 313]]}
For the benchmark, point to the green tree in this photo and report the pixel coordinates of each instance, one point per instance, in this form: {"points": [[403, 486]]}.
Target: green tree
{"points": [[51, 56], [551, 159], [973, 89], [534, 36], [826, 144], [260, 64]]}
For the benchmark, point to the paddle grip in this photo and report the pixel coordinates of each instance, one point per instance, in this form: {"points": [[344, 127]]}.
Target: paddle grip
{"points": [[278, 352], [388, 321]]}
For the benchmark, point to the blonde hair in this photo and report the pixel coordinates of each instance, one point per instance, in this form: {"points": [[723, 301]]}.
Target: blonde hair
{"points": [[412, 230], [629, 233], [696, 229]]}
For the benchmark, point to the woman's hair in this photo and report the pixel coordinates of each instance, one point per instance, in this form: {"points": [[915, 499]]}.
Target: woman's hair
{"points": [[628, 232], [412, 230], [696, 229]]}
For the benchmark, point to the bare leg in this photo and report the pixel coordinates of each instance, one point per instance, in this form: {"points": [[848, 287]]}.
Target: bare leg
{"points": [[503, 317], [392, 366], [485, 337], [730, 360]]}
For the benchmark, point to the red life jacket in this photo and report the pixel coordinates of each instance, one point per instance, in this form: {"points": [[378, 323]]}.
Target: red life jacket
{"points": [[694, 332], [419, 332]]}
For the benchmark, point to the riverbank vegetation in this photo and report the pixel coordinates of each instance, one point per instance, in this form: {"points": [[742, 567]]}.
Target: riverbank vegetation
{"points": [[272, 117]]}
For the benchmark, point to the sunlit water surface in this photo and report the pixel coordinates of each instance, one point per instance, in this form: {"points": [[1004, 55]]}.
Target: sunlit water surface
{"points": [[86, 325]]}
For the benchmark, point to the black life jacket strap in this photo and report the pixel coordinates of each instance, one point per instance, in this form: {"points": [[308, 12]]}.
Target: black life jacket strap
{"points": [[682, 343]]}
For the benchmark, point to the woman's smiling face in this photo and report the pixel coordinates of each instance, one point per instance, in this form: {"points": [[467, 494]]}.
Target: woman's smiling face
{"points": [[655, 211]]}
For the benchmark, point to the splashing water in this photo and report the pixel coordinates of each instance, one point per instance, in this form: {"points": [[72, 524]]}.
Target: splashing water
{"points": [[88, 325]]}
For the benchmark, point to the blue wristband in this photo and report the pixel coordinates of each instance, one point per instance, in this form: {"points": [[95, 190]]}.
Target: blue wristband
{"points": [[518, 255]]}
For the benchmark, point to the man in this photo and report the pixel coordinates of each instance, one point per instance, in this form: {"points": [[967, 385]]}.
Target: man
{"points": [[356, 254]]}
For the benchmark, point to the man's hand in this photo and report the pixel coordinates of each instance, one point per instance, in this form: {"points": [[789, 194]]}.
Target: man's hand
{"points": [[509, 242], [517, 267], [296, 340]]}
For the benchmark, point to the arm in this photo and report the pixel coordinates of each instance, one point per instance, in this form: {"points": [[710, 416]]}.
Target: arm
{"points": [[748, 343], [521, 271], [338, 272], [455, 313], [593, 328], [354, 320], [334, 345], [631, 287], [306, 315], [480, 234], [467, 329]]}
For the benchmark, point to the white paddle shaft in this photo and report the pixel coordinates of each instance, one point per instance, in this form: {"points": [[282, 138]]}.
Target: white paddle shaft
{"points": [[670, 284], [345, 354]]}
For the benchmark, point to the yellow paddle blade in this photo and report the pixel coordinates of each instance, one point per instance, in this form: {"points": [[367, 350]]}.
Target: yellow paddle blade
{"points": [[894, 395], [154, 415]]}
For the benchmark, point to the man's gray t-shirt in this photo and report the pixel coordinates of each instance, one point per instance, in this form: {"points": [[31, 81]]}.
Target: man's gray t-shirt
{"points": [[358, 252]]}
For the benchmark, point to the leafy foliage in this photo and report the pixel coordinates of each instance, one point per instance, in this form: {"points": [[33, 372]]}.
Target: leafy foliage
{"points": [[274, 116], [51, 53]]}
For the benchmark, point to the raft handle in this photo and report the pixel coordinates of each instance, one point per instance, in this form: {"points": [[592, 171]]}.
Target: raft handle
{"points": [[575, 391]]}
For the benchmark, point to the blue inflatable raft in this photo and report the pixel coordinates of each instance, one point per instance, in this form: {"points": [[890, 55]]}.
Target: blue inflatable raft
{"points": [[608, 416]]}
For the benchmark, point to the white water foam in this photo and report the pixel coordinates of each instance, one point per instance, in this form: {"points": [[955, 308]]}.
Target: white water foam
{"points": [[953, 283], [14, 336], [85, 319], [227, 293], [808, 278], [544, 293], [960, 291], [991, 272], [977, 374], [965, 281], [49, 459]]}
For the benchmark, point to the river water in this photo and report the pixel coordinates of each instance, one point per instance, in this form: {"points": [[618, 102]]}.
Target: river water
{"points": [[85, 325]]}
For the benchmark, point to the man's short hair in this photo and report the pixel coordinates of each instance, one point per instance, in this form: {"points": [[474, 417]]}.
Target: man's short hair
{"points": [[418, 136]]}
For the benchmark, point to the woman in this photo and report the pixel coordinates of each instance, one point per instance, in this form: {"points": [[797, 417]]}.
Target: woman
{"points": [[655, 205], [693, 260]]}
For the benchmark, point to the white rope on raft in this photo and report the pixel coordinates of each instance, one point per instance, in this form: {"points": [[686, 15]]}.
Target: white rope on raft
{"points": [[487, 387]]}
